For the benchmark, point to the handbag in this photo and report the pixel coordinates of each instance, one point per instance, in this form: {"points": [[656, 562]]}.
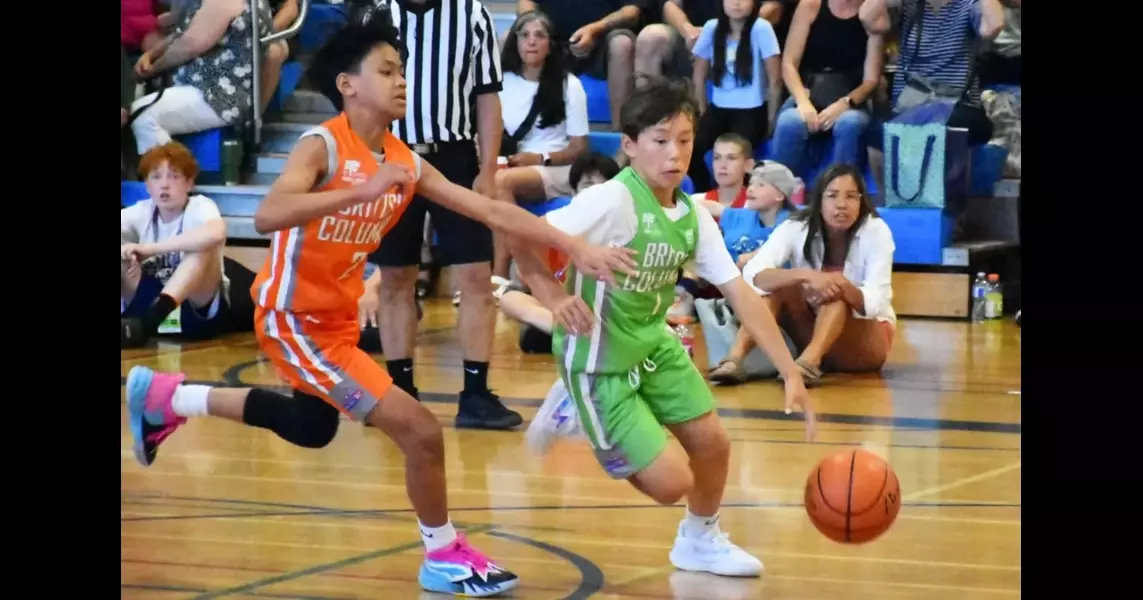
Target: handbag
{"points": [[827, 87], [926, 161], [510, 143]]}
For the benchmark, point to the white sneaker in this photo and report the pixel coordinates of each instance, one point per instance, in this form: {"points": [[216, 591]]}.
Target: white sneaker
{"points": [[713, 553], [557, 417]]}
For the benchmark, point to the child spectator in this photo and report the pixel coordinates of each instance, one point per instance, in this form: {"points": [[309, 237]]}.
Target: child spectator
{"points": [[732, 50], [171, 255], [733, 159]]}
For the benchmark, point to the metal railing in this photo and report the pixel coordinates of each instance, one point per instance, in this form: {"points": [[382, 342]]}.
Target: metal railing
{"points": [[289, 32]]}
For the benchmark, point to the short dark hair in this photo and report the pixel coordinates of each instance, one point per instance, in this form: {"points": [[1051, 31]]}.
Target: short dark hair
{"points": [[654, 101], [592, 162], [344, 51]]}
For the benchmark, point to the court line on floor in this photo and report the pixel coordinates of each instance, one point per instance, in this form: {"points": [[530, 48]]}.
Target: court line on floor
{"points": [[192, 590], [920, 423], [591, 578], [321, 568], [937, 489]]}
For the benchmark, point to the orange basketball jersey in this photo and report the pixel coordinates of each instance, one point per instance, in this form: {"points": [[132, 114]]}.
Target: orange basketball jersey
{"points": [[319, 267]]}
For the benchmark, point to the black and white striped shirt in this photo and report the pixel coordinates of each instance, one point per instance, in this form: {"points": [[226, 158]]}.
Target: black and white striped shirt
{"points": [[453, 56]]}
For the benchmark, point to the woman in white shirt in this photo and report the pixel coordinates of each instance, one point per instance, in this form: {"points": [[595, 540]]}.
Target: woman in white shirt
{"points": [[536, 74], [171, 254], [835, 298]]}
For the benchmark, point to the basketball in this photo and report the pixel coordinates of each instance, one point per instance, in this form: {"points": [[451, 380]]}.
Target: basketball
{"points": [[853, 496]]}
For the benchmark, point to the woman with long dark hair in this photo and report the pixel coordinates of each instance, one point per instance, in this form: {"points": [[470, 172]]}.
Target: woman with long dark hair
{"points": [[537, 84], [835, 299], [738, 52]]}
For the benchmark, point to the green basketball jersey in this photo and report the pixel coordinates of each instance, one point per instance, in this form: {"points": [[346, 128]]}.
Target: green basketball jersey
{"points": [[630, 316]]}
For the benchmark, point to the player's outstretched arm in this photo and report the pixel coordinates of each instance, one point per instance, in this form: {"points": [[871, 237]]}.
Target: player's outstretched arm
{"points": [[292, 201], [593, 261], [570, 312]]}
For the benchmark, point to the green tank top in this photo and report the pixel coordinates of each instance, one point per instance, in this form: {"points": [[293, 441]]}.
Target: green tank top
{"points": [[630, 316]]}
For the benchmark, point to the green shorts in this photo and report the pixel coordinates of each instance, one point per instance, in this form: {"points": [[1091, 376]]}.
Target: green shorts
{"points": [[623, 415]]}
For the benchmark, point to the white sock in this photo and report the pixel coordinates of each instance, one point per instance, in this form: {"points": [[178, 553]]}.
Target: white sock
{"points": [[436, 538], [190, 400], [696, 526]]}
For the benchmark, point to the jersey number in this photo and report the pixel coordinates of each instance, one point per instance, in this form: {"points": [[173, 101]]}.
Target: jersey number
{"points": [[358, 258]]}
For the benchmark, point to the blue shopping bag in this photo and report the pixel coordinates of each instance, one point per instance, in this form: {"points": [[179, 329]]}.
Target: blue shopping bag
{"points": [[926, 162]]}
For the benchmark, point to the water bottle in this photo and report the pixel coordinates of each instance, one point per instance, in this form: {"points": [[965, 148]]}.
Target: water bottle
{"points": [[994, 304], [687, 338], [979, 293]]}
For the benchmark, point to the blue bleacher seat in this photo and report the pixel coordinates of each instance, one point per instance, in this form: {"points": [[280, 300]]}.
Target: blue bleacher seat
{"points": [[131, 192], [598, 100], [292, 73], [322, 21], [987, 169], [206, 146], [604, 142], [920, 234]]}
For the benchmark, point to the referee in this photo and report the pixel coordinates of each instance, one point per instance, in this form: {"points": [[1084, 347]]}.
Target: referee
{"points": [[453, 70]]}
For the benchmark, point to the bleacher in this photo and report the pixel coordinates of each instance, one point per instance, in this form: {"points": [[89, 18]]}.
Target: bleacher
{"points": [[932, 274]]}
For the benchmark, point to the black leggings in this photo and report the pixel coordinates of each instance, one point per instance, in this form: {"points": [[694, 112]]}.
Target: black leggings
{"points": [[749, 123]]}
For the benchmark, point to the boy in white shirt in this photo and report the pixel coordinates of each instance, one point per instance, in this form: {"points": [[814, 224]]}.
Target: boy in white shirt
{"points": [[171, 254]]}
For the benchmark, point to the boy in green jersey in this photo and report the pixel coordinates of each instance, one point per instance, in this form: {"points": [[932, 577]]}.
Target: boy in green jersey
{"points": [[626, 374]]}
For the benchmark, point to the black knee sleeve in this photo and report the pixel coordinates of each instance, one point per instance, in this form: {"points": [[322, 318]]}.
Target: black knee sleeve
{"points": [[534, 340], [303, 420]]}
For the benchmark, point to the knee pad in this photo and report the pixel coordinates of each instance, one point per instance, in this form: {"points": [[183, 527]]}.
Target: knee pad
{"points": [[534, 341], [314, 422]]}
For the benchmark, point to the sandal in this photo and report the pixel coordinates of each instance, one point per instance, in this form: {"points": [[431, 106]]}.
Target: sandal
{"points": [[811, 376], [728, 371]]}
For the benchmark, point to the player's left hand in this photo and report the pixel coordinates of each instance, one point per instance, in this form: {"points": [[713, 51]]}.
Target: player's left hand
{"points": [[796, 395], [601, 262]]}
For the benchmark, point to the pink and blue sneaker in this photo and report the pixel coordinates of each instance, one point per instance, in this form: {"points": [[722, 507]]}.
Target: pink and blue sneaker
{"points": [[461, 570], [149, 410]]}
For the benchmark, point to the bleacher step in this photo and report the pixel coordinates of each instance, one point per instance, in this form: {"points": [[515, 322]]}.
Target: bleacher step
{"points": [[308, 101], [235, 200], [308, 118], [242, 228]]}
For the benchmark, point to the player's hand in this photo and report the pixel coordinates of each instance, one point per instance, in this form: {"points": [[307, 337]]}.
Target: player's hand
{"points": [[573, 315], [388, 176], [134, 253], [367, 306], [601, 262], [485, 184], [797, 396]]}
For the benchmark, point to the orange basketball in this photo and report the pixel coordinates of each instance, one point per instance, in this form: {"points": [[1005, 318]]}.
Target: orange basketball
{"points": [[853, 496]]}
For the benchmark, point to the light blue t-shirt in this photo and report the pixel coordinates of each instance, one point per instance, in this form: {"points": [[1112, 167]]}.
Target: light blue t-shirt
{"points": [[743, 231], [727, 93]]}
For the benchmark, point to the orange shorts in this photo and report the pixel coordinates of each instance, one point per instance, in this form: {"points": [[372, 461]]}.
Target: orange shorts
{"points": [[321, 357]]}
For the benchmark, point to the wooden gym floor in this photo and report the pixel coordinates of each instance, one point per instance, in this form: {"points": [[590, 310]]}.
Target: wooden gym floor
{"points": [[229, 511]]}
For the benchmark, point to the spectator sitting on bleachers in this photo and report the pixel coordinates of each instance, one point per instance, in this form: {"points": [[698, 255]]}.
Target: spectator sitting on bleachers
{"points": [[171, 253], [835, 300], [738, 52], [212, 55], [601, 39], [673, 29], [276, 53], [733, 158], [947, 29], [831, 67], [515, 300], [746, 229], [537, 82]]}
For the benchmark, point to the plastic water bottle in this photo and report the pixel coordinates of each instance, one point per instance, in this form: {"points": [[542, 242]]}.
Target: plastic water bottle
{"points": [[686, 337], [994, 299], [979, 298]]}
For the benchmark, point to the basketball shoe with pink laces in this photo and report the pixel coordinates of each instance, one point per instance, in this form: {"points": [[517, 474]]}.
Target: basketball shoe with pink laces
{"points": [[461, 570], [149, 410]]}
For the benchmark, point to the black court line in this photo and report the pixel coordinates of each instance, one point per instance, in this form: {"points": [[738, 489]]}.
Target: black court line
{"points": [[741, 413], [191, 590], [591, 577], [330, 566]]}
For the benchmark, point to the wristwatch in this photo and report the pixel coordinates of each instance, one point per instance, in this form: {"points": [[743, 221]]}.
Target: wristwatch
{"points": [[547, 159]]}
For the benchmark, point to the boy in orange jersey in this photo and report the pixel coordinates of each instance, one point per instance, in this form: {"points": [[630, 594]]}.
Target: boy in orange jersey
{"points": [[344, 185]]}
